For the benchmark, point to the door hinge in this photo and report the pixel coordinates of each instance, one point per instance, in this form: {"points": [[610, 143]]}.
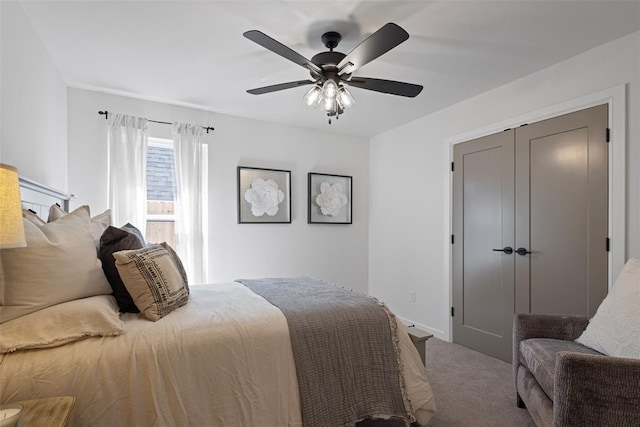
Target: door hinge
{"points": [[607, 137], [453, 239], [451, 311], [608, 244], [452, 167]]}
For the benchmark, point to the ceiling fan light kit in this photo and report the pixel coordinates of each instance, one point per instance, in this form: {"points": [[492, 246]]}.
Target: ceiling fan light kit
{"points": [[333, 97], [332, 71]]}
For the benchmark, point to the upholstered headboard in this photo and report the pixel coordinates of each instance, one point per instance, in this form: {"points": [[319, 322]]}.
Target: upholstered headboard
{"points": [[39, 197]]}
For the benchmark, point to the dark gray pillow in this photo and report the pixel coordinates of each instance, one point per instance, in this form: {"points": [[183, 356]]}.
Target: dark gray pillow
{"points": [[113, 240]]}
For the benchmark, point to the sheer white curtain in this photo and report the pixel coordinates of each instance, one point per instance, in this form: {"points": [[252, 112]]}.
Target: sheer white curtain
{"points": [[191, 208], [127, 140]]}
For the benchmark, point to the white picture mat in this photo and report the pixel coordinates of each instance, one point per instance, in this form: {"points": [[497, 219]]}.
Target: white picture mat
{"points": [[246, 175], [315, 213]]}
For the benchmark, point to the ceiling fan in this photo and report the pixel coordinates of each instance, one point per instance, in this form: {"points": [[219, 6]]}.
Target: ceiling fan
{"points": [[332, 71]]}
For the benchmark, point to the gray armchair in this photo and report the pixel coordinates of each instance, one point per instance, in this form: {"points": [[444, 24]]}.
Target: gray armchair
{"points": [[563, 383]]}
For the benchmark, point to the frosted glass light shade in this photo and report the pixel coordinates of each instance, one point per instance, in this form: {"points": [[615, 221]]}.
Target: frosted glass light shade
{"points": [[329, 105], [329, 89], [312, 97], [345, 99], [11, 226]]}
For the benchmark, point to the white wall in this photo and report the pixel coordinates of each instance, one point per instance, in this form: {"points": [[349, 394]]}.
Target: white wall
{"points": [[409, 169], [33, 102], [336, 253]]}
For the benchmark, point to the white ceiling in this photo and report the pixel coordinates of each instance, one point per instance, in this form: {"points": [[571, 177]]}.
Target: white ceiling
{"points": [[193, 52]]}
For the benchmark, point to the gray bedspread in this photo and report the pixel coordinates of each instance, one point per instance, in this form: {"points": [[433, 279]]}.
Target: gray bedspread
{"points": [[344, 347]]}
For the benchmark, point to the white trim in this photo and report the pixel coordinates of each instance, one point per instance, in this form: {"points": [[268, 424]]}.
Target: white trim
{"points": [[615, 97]]}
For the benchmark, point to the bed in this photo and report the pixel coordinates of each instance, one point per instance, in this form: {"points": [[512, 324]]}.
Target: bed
{"points": [[243, 353]]}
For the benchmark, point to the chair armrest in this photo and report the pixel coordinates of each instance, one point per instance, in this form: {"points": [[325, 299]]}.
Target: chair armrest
{"points": [[596, 390], [559, 327]]}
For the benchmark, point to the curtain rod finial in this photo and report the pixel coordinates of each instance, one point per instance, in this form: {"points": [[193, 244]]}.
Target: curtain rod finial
{"points": [[104, 113]]}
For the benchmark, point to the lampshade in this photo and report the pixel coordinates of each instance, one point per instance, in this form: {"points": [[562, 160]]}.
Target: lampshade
{"points": [[11, 226]]}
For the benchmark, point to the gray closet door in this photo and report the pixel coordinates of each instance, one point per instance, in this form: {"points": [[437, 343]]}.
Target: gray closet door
{"points": [[483, 291], [562, 213], [542, 190]]}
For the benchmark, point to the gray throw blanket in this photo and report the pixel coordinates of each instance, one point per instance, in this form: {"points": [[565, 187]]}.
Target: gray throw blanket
{"points": [[345, 350]]}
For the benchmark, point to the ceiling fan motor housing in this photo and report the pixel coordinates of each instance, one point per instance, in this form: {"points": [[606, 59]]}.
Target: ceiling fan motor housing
{"points": [[328, 62]]}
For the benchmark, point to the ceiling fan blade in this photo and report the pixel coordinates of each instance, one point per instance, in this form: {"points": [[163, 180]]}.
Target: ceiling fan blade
{"points": [[286, 52], [280, 86], [378, 43], [386, 86]]}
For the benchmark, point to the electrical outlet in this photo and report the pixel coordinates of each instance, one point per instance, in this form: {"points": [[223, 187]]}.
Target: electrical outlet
{"points": [[412, 296]]}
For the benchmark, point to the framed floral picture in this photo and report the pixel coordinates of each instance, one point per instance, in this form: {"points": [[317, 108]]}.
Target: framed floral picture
{"points": [[330, 199], [264, 196]]}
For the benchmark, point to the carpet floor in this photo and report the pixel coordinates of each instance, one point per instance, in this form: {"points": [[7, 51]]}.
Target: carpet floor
{"points": [[471, 388]]}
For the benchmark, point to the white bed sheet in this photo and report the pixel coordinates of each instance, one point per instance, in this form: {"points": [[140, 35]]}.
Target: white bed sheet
{"points": [[224, 359]]}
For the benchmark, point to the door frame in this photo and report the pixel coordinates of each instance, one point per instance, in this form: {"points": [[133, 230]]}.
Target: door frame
{"points": [[615, 97]]}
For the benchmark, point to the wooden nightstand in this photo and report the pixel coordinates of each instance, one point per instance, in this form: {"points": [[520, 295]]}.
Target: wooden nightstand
{"points": [[47, 412], [419, 338]]}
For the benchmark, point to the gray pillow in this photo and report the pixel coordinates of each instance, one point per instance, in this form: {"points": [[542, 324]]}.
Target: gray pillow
{"points": [[113, 240]]}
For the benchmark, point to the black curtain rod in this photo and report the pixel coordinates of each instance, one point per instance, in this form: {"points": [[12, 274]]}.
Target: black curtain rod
{"points": [[105, 113]]}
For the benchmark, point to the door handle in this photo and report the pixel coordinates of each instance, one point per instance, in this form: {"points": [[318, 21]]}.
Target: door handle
{"points": [[522, 251], [507, 250]]}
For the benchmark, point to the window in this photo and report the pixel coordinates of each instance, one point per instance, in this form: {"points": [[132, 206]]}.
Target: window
{"points": [[161, 192]]}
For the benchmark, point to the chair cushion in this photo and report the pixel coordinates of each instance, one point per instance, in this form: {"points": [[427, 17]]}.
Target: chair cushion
{"points": [[539, 356]]}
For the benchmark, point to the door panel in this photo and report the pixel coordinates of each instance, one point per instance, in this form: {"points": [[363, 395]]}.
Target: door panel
{"points": [[482, 296], [483, 212], [561, 213], [559, 263]]}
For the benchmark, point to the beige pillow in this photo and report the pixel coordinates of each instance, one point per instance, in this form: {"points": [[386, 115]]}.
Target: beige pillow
{"points": [[55, 213], [155, 278], [58, 264], [33, 217], [62, 323], [99, 223], [615, 328]]}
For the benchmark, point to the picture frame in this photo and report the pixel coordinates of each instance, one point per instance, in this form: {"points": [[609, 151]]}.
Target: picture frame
{"points": [[330, 199], [264, 196]]}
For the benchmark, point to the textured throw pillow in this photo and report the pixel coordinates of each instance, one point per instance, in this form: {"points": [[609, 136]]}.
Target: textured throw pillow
{"points": [[155, 278], [62, 323], [99, 223], [615, 329], [114, 240], [58, 264]]}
